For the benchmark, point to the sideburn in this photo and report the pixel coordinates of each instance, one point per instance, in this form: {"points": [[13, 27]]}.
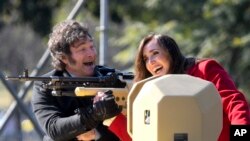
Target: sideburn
{"points": [[67, 58], [71, 60]]}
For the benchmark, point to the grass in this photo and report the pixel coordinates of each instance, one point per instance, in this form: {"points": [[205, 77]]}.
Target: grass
{"points": [[6, 97]]}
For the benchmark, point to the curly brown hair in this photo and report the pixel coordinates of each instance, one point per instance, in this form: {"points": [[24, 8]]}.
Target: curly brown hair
{"points": [[63, 36]]}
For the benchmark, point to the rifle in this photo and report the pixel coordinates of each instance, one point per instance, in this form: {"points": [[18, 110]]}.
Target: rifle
{"points": [[120, 83]]}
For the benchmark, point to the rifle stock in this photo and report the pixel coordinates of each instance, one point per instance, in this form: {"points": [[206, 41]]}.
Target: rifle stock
{"points": [[120, 94], [83, 91]]}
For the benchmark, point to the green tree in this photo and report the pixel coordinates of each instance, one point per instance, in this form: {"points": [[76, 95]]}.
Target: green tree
{"points": [[206, 28], [36, 13]]}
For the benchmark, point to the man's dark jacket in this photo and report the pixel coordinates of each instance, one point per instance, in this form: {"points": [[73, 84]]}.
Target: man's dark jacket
{"points": [[56, 114]]}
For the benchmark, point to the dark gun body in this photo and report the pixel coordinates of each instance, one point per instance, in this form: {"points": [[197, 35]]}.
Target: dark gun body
{"points": [[119, 83]]}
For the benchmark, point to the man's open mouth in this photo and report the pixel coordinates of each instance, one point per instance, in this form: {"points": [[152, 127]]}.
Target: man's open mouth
{"points": [[88, 63]]}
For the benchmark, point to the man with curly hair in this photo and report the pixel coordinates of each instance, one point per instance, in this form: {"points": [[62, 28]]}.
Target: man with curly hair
{"points": [[75, 118]]}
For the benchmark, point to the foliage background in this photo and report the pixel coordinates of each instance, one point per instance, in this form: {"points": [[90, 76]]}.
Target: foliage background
{"points": [[216, 29]]}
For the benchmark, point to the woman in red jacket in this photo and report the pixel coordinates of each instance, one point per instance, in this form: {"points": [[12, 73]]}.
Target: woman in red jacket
{"points": [[160, 55]]}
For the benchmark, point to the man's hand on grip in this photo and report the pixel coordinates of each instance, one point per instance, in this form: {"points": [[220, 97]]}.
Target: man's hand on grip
{"points": [[105, 106]]}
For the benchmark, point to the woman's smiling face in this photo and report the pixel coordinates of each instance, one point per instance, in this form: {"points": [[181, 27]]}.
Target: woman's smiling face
{"points": [[157, 60]]}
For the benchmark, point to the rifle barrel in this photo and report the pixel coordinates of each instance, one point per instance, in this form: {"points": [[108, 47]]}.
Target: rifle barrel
{"points": [[59, 78], [21, 78]]}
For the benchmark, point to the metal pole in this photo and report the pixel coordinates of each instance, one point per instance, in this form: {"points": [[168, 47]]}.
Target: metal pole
{"points": [[44, 59], [103, 32], [21, 105], [74, 12]]}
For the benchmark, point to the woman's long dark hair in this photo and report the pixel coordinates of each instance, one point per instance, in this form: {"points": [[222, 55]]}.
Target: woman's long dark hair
{"points": [[178, 64]]}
